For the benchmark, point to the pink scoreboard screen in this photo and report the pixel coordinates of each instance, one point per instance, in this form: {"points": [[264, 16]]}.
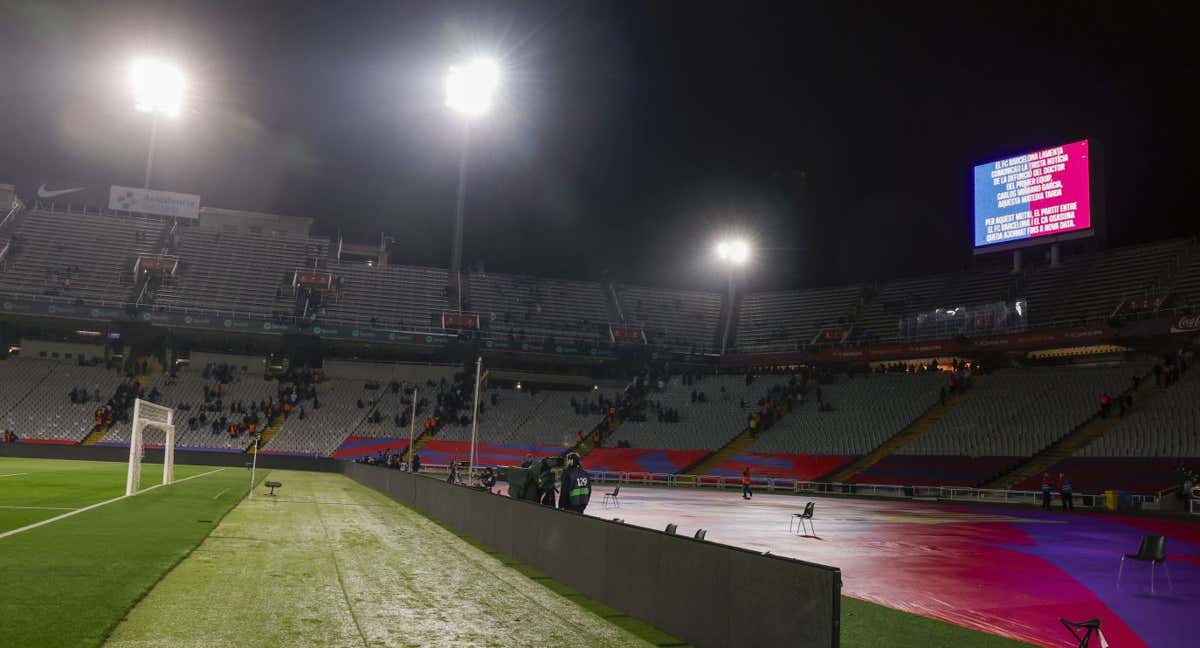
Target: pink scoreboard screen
{"points": [[1039, 194]]}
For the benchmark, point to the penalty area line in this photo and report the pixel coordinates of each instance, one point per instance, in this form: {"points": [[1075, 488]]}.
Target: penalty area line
{"points": [[98, 505], [14, 474], [39, 508], [223, 491]]}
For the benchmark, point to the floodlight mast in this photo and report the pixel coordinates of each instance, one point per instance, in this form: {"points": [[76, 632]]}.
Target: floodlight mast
{"points": [[470, 91], [733, 253], [158, 90]]}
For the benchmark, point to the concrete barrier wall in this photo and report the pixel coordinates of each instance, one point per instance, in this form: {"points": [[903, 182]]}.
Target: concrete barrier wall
{"points": [[702, 592], [110, 453]]}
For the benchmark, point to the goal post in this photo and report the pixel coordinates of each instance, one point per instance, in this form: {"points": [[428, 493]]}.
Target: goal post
{"points": [[147, 414]]}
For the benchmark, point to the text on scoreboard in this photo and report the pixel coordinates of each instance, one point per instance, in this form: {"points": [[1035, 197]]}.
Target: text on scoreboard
{"points": [[1043, 193]]}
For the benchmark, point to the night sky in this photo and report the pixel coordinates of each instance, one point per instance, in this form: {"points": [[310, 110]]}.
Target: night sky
{"points": [[839, 135]]}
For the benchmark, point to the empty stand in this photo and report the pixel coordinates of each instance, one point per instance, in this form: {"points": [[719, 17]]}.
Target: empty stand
{"points": [[232, 270], [790, 319], [387, 296], [866, 412], [77, 255], [682, 319], [546, 307], [1018, 412], [707, 425]]}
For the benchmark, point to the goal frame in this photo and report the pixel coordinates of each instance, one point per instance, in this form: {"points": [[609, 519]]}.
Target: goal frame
{"points": [[150, 414]]}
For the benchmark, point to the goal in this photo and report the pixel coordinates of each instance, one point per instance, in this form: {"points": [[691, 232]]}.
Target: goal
{"points": [[149, 415]]}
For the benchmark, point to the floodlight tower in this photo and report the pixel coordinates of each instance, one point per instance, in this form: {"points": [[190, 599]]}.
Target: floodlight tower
{"points": [[158, 90], [733, 253], [470, 91]]}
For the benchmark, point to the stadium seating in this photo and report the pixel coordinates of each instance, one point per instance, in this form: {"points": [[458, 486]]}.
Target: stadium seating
{"points": [[187, 388], [789, 319], [544, 307], [894, 300], [1167, 427], [238, 271], [1018, 412], [866, 412], [1186, 290], [680, 319], [95, 251], [1116, 275], [34, 398], [701, 426], [519, 418], [389, 296], [322, 430]]}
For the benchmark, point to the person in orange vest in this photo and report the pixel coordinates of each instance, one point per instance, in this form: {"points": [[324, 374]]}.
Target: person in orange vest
{"points": [[252, 428], [578, 438], [746, 492]]}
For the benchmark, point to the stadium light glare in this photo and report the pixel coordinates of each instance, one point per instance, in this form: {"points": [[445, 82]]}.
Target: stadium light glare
{"points": [[736, 251], [157, 87], [471, 88]]}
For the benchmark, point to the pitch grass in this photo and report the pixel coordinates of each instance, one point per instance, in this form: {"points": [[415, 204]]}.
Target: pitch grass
{"points": [[329, 562], [38, 489], [69, 582]]}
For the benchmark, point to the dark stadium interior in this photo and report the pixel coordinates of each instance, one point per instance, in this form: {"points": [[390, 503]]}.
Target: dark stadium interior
{"points": [[931, 264]]}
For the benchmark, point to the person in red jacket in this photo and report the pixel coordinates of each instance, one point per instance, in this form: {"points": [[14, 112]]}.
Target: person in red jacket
{"points": [[746, 492]]}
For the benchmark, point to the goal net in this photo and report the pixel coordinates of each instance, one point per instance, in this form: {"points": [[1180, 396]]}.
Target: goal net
{"points": [[147, 416]]}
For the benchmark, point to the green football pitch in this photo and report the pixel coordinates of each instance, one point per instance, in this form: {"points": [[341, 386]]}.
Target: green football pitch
{"points": [[327, 562]]}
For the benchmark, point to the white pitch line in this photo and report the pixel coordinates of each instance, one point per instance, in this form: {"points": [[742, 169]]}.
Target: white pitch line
{"points": [[40, 508], [221, 493], [98, 505], [14, 474]]}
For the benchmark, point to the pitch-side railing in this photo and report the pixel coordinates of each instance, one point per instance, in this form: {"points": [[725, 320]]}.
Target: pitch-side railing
{"points": [[894, 491]]}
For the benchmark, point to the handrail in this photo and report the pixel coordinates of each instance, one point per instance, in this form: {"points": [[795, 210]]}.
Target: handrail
{"points": [[784, 484]]}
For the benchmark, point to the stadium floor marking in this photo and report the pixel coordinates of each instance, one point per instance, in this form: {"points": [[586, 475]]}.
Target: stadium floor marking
{"points": [[98, 505], [221, 493], [40, 508], [14, 474]]}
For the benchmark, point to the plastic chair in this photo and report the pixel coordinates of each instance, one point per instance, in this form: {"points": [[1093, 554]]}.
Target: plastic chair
{"points": [[1153, 550], [612, 498], [700, 534], [671, 528], [806, 515], [1083, 630]]}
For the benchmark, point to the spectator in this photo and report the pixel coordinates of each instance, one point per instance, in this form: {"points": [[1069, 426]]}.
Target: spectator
{"points": [[416, 463], [1064, 489], [746, 492], [1046, 490]]}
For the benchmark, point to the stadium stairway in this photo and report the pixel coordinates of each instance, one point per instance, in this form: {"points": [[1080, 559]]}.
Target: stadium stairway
{"points": [[1074, 441], [97, 433], [268, 434], [733, 447], [902, 438]]}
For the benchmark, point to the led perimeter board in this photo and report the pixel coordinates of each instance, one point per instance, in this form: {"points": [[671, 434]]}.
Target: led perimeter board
{"points": [[1035, 198]]}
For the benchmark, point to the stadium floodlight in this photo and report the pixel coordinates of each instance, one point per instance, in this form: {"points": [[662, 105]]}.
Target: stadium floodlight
{"points": [[734, 251], [157, 87], [471, 88], [470, 91], [158, 90]]}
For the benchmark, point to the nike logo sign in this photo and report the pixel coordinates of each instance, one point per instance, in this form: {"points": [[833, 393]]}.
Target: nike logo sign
{"points": [[42, 193]]}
